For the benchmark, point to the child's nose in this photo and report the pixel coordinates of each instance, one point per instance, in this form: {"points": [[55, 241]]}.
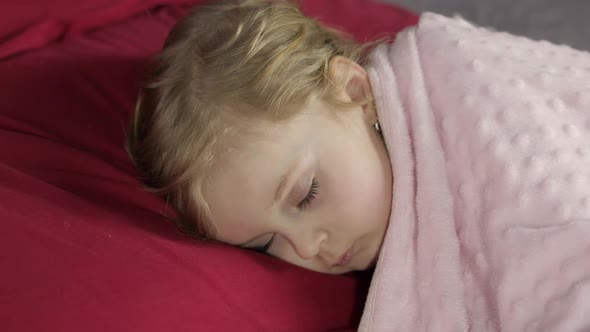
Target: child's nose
{"points": [[308, 243]]}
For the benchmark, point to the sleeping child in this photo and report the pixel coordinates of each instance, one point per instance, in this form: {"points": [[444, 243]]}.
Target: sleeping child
{"points": [[454, 161]]}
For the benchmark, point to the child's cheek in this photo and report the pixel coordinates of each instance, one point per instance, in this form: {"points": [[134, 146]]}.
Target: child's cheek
{"points": [[343, 189]]}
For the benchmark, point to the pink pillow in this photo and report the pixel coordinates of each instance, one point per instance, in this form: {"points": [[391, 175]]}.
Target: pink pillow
{"points": [[84, 249]]}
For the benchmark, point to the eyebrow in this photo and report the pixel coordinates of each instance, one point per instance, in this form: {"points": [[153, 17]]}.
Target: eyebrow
{"points": [[278, 194], [281, 187], [284, 180]]}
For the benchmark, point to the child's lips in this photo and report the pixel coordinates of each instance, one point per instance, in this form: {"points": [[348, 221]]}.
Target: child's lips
{"points": [[346, 257]]}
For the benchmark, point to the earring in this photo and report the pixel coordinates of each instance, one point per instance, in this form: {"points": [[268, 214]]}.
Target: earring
{"points": [[377, 126]]}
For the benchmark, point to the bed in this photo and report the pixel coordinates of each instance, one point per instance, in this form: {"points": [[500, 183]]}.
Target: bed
{"points": [[83, 247]]}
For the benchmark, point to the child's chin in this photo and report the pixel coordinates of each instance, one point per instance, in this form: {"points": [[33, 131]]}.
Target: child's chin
{"points": [[370, 264]]}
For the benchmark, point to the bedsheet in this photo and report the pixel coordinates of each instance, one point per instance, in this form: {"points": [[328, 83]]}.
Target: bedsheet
{"points": [[82, 246]]}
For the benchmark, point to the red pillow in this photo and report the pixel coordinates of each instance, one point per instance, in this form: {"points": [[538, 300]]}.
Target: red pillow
{"points": [[84, 249], [31, 24]]}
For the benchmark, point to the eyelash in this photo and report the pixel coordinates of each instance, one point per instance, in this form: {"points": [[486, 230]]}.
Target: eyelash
{"points": [[305, 203], [264, 248], [311, 195]]}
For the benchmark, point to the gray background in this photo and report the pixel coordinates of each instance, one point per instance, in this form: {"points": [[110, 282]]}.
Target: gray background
{"points": [[559, 21]]}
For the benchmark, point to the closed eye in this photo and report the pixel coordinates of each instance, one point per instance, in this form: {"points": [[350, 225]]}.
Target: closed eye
{"points": [[305, 203], [264, 248], [311, 195]]}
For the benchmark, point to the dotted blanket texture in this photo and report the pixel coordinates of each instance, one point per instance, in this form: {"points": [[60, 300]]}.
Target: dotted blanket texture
{"points": [[489, 140]]}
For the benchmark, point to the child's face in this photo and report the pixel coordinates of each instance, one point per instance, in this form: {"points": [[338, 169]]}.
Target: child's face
{"points": [[317, 188]]}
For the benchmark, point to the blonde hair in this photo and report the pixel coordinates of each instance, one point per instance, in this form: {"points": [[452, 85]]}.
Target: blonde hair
{"points": [[225, 60]]}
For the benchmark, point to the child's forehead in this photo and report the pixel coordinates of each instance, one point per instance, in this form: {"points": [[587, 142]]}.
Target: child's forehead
{"points": [[253, 143], [253, 140], [262, 142], [252, 132]]}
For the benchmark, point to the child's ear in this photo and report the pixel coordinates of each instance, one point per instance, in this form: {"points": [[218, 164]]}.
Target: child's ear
{"points": [[350, 78]]}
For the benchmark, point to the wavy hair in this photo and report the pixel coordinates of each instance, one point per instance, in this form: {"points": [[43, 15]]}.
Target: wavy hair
{"points": [[225, 61]]}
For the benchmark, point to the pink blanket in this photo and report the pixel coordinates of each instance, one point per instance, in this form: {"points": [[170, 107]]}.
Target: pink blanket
{"points": [[489, 141]]}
